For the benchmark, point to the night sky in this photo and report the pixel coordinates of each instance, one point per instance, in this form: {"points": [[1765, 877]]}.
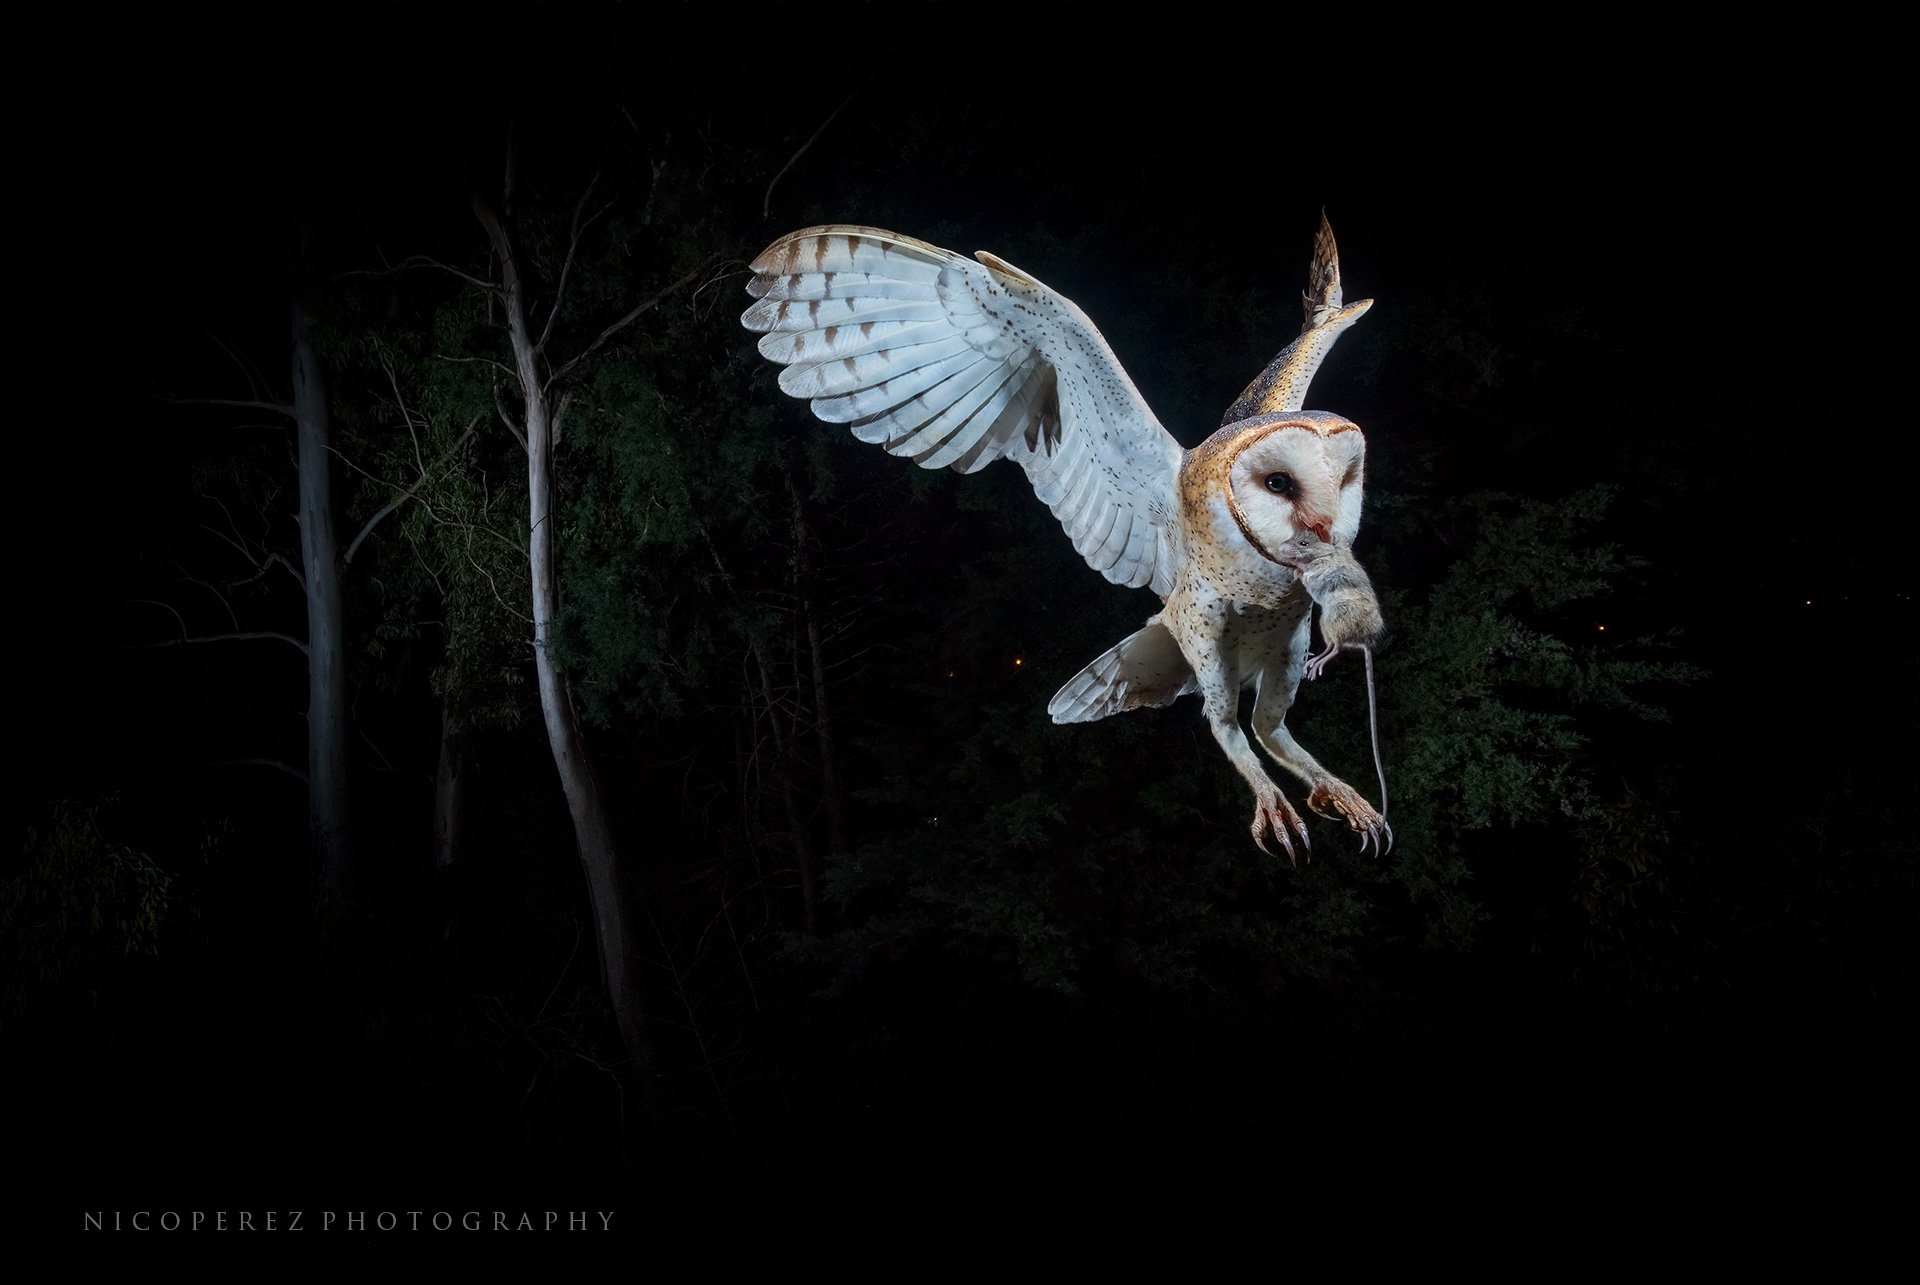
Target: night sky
{"points": [[1681, 249]]}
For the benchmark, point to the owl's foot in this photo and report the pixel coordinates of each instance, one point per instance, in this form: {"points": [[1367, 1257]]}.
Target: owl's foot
{"points": [[1271, 809], [1336, 800]]}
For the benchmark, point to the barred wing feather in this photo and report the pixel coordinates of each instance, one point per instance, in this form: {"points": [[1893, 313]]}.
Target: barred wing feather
{"points": [[956, 363]]}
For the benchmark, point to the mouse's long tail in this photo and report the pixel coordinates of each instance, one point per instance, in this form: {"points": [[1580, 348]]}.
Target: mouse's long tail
{"points": [[1373, 726]]}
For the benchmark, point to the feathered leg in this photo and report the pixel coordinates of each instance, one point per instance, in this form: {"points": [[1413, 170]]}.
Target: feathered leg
{"points": [[1328, 794], [1220, 689]]}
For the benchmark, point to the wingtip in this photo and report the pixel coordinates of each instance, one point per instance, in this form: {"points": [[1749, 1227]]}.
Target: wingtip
{"points": [[999, 267], [1323, 295]]}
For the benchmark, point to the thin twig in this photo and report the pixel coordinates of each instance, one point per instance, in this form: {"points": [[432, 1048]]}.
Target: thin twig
{"points": [[206, 638], [622, 324], [385, 762], [275, 407], [393, 381], [288, 768], [423, 261], [479, 361], [255, 381], [232, 617], [766, 206], [566, 268], [150, 602], [404, 496]]}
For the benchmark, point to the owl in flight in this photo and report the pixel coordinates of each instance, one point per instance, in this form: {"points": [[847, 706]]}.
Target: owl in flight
{"points": [[957, 362]]}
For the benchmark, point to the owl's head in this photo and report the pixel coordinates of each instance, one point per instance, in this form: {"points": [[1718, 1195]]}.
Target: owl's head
{"points": [[1280, 475]]}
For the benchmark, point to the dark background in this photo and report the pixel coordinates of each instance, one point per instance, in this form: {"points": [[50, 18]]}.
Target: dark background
{"points": [[1716, 199]]}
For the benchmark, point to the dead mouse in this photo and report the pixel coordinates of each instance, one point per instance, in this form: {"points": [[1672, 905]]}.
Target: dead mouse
{"points": [[1349, 617]]}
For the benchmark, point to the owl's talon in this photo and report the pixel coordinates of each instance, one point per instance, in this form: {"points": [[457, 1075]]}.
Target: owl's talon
{"points": [[1272, 811], [1336, 800]]}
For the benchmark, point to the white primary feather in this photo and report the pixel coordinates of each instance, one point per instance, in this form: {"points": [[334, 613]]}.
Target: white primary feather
{"points": [[958, 363]]}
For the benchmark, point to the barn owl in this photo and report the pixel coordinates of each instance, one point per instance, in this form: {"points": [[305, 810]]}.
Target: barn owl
{"points": [[957, 362]]}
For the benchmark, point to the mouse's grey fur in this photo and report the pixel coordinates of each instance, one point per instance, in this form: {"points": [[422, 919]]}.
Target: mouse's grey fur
{"points": [[1349, 617]]}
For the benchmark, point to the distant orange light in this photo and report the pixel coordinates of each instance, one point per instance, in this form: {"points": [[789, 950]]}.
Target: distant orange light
{"points": [[1603, 629], [1016, 660]]}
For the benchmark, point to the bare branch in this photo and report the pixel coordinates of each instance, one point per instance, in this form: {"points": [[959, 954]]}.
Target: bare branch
{"points": [[401, 402], [386, 764], [288, 768], [404, 496], [275, 407], [371, 523], [291, 570], [507, 607], [480, 361], [658, 167], [232, 617], [164, 606], [207, 638], [506, 417], [766, 206], [256, 382], [566, 268], [236, 542], [622, 324], [714, 280], [423, 261], [264, 568]]}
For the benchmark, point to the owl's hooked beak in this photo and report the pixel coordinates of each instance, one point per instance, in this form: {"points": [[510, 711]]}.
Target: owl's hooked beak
{"points": [[1322, 527]]}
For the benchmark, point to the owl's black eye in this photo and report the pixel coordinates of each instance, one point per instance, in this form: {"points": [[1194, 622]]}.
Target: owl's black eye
{"points": [[1282, 484]]}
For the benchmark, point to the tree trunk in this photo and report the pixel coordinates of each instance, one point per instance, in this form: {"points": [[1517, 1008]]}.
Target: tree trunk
{"points": [[449, 790], [329, 821], [613, 912], [783, 773], [823, 720]]}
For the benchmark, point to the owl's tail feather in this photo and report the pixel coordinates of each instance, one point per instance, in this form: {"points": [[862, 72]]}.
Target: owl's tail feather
{"points": [[1141, 670]]}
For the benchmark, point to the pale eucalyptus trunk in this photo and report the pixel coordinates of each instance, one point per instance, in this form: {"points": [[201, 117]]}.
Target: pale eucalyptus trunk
{"points": [[329, 820], [615, 920], [449, 794]]}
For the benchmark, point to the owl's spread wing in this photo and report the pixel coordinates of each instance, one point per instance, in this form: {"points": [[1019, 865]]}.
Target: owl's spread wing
{"points": [[956, 364], [1282, 386]]}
